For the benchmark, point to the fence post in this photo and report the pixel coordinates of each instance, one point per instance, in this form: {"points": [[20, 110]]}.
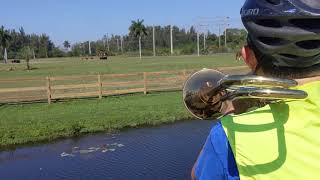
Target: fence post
{"points": [[100, 86], [145, 91], [183, 77], [49, 90]]}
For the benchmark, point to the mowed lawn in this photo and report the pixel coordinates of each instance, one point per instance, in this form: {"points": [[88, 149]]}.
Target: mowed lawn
{"points": [[115, 65]]}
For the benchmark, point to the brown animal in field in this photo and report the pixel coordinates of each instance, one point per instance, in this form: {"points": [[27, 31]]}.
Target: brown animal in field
{"points": [[104, 56], [16, 61]]}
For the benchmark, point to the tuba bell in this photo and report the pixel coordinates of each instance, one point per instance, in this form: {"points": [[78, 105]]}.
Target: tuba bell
{"points": [[209, 94]]}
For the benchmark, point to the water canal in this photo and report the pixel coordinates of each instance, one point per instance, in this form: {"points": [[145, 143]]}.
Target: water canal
{"points": [[163, 152]]}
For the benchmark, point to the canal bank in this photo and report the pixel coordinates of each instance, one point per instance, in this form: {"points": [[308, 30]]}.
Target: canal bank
{"points": [[29, 123]]}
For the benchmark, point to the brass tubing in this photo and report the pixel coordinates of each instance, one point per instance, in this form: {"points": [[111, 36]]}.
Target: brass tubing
{"points": [[268, 93], [250, 80], [207, 93]]}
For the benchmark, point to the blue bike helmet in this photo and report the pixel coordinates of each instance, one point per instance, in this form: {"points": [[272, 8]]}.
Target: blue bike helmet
{"points": [[284, 32]]}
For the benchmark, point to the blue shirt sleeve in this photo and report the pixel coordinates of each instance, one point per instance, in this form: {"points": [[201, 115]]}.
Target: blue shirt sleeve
{"points": [[216, 160]]}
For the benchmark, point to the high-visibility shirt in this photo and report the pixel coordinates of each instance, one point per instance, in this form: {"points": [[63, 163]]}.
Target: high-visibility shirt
{"points": [[278, 141]]}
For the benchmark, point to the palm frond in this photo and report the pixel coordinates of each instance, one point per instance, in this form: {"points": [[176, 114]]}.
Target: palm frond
{"points": [[138, 28], [4, 36]]}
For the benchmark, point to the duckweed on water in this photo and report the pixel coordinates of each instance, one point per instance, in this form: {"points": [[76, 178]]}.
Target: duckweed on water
{"points": [[103, 149]]}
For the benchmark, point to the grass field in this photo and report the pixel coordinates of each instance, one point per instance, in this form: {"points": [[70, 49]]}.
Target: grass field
{"points": [[36, 122], [26, 123], [115, 65]]}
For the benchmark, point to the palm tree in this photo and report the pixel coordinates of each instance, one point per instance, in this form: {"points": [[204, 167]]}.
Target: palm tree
{"points": [[4, 39], [66, 45], [138, 29]]}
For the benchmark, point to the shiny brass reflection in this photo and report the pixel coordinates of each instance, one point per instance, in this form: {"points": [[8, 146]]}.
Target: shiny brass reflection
{"points": [[209, 94]]}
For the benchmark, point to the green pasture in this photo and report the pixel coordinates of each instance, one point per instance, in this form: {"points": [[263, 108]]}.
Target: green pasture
{"points": [[115, 65]]}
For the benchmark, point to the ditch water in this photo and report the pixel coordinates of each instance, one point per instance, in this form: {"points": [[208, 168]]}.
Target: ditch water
{"points": [[164, 152]]}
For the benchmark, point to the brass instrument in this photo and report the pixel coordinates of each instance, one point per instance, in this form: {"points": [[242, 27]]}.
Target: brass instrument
{"points": [[209, 94]]}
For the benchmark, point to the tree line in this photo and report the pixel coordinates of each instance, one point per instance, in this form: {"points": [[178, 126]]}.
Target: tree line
{"points": [[184, 42], [19, 44]]}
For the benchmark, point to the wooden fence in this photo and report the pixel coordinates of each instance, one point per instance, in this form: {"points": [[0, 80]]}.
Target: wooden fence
{"points": [[50, 89]]}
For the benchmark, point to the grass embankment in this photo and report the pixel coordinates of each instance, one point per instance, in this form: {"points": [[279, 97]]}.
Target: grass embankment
{"points": [[38, 122]]}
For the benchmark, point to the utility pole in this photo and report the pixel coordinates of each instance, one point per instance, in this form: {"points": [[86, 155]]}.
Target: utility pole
{"points": [[118, 44], [171, 38], [225, 37], [198, 43], [89, 48], [204, 41], [121, 43], [219, 35], [154, 41], [225, 32], [108, 43]]}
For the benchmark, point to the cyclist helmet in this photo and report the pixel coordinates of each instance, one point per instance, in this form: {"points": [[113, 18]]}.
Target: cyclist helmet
{"points": [[284, 32]]}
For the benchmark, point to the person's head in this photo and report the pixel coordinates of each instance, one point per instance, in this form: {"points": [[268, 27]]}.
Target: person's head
{"points": [[283, 37]]}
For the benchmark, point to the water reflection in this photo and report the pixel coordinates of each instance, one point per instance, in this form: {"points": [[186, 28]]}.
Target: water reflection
{"points": [[165, 152]]}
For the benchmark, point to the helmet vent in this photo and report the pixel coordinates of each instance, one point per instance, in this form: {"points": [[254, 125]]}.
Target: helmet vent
{"points": [[274, 2], [272, 41], [269, 23], [311, 44], [310, 24]]}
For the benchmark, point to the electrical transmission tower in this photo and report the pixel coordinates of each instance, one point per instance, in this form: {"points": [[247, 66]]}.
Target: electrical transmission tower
{"points": [[215, 24]]}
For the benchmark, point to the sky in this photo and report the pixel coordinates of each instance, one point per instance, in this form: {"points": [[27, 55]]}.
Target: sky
{"points": [[82, 20]]}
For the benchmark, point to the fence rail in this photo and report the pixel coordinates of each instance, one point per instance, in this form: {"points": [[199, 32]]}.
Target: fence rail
{"points": [[100, 85]]}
